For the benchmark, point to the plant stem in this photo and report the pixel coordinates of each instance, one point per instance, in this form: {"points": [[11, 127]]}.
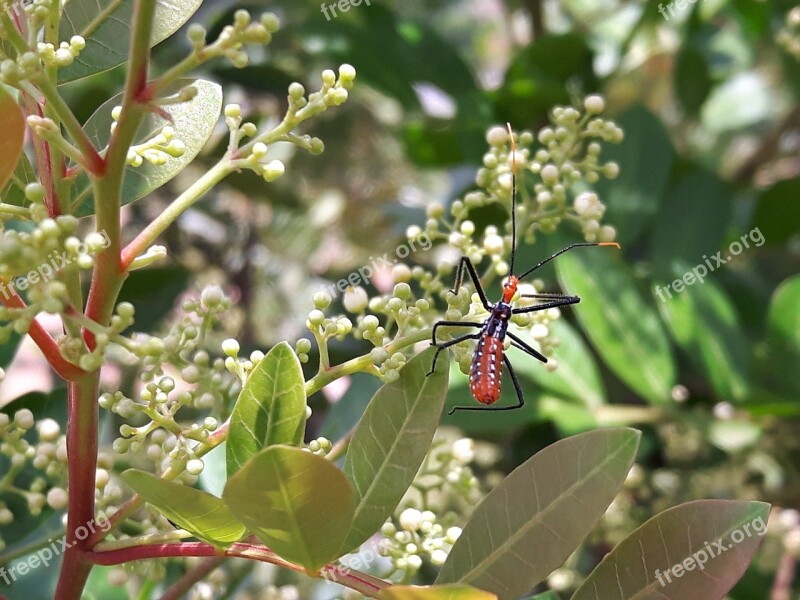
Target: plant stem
{"points": [[191, 195]]}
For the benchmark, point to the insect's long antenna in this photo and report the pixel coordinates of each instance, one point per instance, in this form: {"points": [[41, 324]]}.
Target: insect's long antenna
{"points": [[512, 158], [560, 252]]}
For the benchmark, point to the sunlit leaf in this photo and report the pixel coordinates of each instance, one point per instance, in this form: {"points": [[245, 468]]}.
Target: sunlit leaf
{"points": [[193, 122], [577, 375], [271, 408], [12, 124], [694, 551], [623, 328], [106, 27], [194, 510], [437, 592], [297, 503], [704, 322], [391, 441], [531, 522]]}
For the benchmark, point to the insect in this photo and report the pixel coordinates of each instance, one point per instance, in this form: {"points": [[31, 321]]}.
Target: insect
{"points": [[489, 356]]}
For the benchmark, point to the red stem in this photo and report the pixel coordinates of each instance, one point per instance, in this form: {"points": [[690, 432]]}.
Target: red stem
{"points": [[44, 340]]}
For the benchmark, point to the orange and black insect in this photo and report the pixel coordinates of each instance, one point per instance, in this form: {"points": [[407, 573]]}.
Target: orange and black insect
{"points": [[489, 357]]}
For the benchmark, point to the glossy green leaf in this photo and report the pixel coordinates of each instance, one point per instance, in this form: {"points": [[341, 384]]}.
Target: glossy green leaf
{"points": [[196, 511], [193, 122], [297, 503], [391, 441], [645, 158], [106, 27], [623, 328], [12, 124], [697, 213], [271, 408], [577, 375], [531, 522], [703, 321], [436, 592], [674, 544]]}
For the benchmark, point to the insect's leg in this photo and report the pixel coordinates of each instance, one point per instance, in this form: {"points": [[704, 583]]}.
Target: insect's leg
{"points": [[547, 295], [466, 263], [515, 381], [445, 345], [450, 324], [527, 349], [564, 301]]}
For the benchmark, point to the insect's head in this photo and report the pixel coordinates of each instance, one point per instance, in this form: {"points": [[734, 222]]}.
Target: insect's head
{"points": [[510, 288]]}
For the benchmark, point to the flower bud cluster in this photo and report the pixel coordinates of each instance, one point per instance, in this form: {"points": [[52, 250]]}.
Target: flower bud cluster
{"points": [[417, 536], [157, 150], [46, 458], [179, 373], [74, 349], [64, 55], [232, 37]]}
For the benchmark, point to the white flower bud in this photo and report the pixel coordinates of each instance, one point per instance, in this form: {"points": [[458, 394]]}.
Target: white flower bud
{"points": [[410, 519], [355, 299], [464, 450], [594, 104]]}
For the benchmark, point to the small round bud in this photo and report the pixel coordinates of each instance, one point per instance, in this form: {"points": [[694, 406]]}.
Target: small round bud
{"points": [[231, 347], [57, 498], [438, 557], [48, 430], [296, 90], [594, 104], [347, 72], [233, 111], [322, 300], [497, 136], [272, 170], [410, 519], [23, 419], [355, 299]]}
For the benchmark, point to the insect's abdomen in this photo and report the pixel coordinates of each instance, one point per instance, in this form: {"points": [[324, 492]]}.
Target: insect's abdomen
{"points": [[484, 373]]}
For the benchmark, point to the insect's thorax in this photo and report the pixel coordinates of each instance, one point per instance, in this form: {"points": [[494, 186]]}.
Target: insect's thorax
{"points": [[497, 323]]}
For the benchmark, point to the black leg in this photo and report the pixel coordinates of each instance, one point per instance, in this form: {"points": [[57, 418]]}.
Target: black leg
{"points": [[450, 324], [466, 263], [560, 252], [565, 301], [547, 295], [445, 345], [517, 389], [522, 345]]}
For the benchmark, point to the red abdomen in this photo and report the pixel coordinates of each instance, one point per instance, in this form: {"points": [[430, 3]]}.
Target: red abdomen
{"points": [[484, 373]]}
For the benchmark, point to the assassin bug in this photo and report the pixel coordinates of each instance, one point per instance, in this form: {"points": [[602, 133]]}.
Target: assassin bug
{"points": [[489, 356]]}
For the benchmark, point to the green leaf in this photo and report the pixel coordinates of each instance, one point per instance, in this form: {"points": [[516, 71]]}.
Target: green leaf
{"points": [[568, 416], [724, 111], [13, 193], [297, 503], [645, 159], [106, 27], [683, 535], [391, 441], [154, 291], [703, 321], [577, 375], [271, 408], [12, 124], [541, 512], [194, 510], [534, 82], [623, 328], [697, 212], [781, 354], [437, 592], [777, 215], [193, 122]]}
